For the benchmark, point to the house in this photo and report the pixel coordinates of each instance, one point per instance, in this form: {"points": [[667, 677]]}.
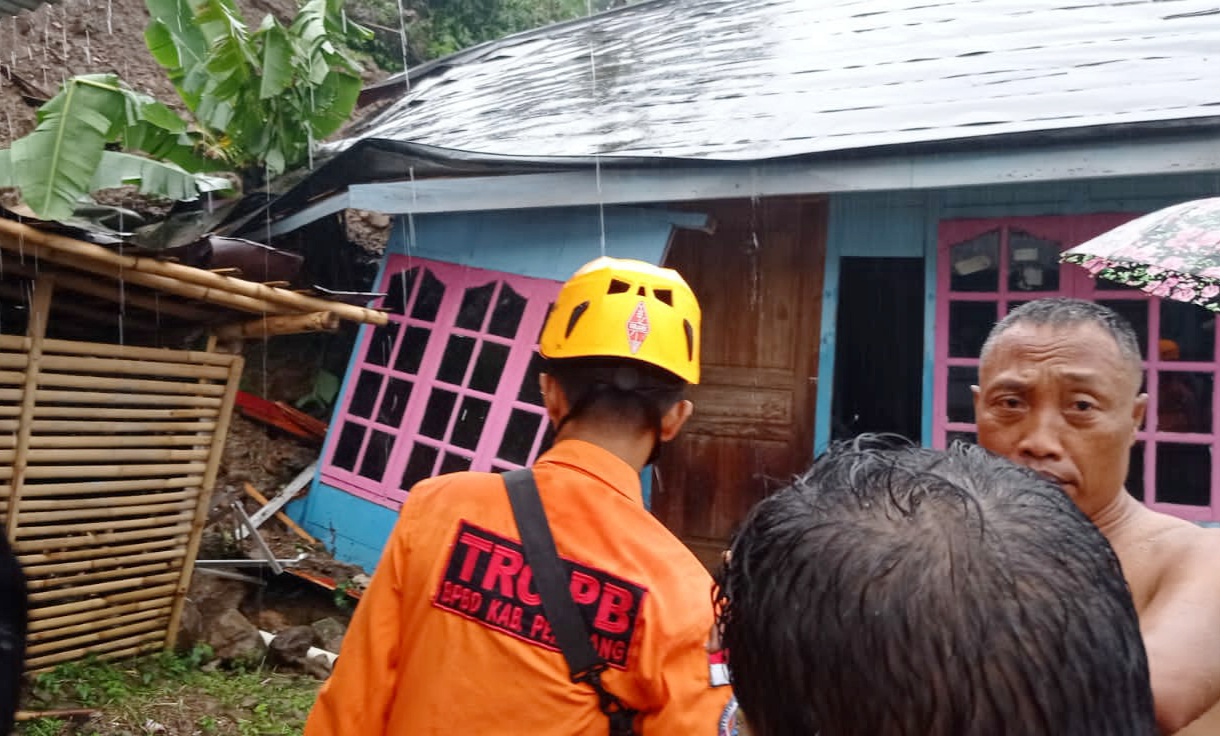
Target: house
{"points": [[118, 373], [856, 190]]}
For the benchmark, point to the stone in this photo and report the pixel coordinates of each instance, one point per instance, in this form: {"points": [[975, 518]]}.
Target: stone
{"points": [[291, 645], [213, 595], [318, 666], [328, 634], [190, 627], [233, 638]]}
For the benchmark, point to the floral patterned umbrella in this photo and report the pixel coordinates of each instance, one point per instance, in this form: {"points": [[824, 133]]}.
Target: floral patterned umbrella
{"points": [[1172, 253]]}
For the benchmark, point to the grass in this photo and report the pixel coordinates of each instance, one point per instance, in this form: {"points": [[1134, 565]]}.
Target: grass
{"points": [[175, 695]]}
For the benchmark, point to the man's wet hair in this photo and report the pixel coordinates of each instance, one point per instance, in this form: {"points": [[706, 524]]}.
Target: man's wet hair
{"points": [[629, 393], [894, 591], [1067, 312]]}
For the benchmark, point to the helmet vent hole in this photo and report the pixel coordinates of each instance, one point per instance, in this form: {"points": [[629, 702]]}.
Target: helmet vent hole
{"points": [[690, 339], [576, 315], [642, 292], [618, 287], [664, 295]]}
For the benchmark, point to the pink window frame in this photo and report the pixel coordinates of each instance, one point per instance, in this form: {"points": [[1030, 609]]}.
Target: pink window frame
{"points": [[457, 279], [1074, 281]]}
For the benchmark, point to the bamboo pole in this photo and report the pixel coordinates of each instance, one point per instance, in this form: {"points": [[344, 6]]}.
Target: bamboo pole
{"points": [[40, 310], [46, 426], [108, 502], [34, 561], [112, 512], [128, 352], [59, 713], [104, 440], [205, 499], [108, 399], [110, 454], [112, 293], [96, 588], [135, 600], [289, 324], [110, 471], [94, 623], [95, 364], [32, 532], [102, 412], [122, 384], [139, 627], [68, 584], [118, 649], [105, 563], [61, 249], [14, 360], [95, 540], [253, 492], [89, 487]]}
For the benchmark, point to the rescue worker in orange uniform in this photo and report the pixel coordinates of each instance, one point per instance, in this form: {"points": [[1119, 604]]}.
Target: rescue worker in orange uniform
{"points": [[450, 636]]}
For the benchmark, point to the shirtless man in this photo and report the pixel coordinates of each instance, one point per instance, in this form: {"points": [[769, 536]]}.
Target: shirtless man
{"points": [[1058, 392]]}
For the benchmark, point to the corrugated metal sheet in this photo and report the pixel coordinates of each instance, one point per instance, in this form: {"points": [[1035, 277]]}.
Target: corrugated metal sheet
{"points": [[16, 7], [756, 79]]}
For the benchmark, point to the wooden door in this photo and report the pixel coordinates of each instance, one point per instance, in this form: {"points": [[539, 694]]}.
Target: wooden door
{"points": [[758, 278]]}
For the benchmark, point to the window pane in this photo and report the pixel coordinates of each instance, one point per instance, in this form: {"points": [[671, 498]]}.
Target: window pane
{"points": [[974, 265], [960, 397], [1135, 472], [1183, 474], [489, 367], [428, 300], [519, 437], [1033, 263], [348, 446], [531, 390], [969, 323], [469, 426], [411, 352], [365, 395], [381, 344], [454, 463], [474, 307], [970, 437], [1187, 332], [1103, 284], [419, 465], [548, 438], [398, 291], [509, 308], [376, 454], [437, 413], [1184, 402], [1134, 311], [394, 402], [456, 360]]}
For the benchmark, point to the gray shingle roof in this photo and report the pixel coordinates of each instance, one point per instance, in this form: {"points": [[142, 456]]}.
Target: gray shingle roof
{"points": [[756, 79]]}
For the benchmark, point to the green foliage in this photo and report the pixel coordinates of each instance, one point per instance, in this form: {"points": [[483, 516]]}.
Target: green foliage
{"points": [[173, 689], [65, 156], [261, 99]]}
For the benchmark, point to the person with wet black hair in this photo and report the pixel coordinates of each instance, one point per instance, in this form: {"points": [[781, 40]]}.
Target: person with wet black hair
{"points": [[893, 590]]}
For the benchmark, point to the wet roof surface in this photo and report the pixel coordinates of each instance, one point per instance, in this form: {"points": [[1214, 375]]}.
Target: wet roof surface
{"points": [[756, 79]]}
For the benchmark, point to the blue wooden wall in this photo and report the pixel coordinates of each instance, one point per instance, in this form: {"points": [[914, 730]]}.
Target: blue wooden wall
{"points": [[547, 243], [904, 224]]}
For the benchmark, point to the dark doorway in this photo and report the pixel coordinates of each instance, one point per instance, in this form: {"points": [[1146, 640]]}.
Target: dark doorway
{"points": [[879, 347]]}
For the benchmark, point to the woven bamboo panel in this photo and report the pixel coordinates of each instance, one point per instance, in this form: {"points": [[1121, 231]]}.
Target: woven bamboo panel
{"points": [[107, 459]]}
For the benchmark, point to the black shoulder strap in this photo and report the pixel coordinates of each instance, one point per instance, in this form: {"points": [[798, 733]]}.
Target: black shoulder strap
{"points": [[566, 622]]}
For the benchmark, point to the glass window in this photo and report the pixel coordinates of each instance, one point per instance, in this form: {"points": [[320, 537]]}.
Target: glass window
{"points": [[961, 397], [969, 324], [398, 291], [1184, 402], [469, 425], [1033, 263], [1188, 332], [1183, 474], [456, 360], [507, 317], [376, 454], [428, 301], [347, 449], [519, 436], [411, 352], [381, 344], [365, 395], [394, 402], [1135, 472], [419, 466], [436, 416], [474, 307], [1136, 313], [489, 367], [975, 263]]}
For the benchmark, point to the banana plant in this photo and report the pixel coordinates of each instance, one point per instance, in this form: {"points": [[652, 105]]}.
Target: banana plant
{"points": [[65, 157], [258, 103]]}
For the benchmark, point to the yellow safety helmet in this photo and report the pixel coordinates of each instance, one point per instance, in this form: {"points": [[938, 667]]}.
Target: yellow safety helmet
{"points": [[619, 308]]}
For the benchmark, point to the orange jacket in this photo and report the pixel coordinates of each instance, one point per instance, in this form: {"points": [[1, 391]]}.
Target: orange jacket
{"points": [[450, 636]]}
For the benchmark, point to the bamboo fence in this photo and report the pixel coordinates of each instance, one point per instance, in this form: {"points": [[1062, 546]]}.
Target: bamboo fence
{"points": [[108, 454]]}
